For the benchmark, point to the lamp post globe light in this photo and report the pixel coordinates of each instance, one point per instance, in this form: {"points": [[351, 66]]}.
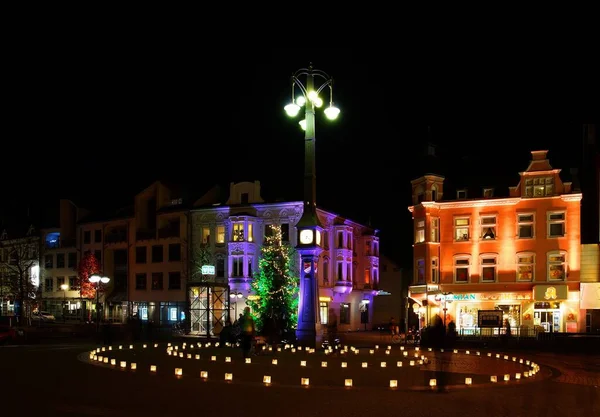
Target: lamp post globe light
{"points": [[97, 280], [306, 85], [64, 287], [234, 296]]}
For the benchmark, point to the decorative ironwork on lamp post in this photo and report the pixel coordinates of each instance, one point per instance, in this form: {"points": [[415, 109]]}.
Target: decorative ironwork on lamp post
{"points": [[97, 279], [443, 297], [306, 94]]}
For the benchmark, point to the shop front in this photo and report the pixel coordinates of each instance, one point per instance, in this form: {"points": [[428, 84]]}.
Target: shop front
{"points": [[555, 309]]}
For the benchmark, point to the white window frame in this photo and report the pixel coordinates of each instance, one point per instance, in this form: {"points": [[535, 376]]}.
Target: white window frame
{"points": [[435, 270], [234, 260], [220, 234], [482, 258], [549, 265], [236, 227], [435, 229], [454, 267], [550, 222], [420, 231], [417, 281], [456, 227], [526, 223], [520, 256], [493, 225]]}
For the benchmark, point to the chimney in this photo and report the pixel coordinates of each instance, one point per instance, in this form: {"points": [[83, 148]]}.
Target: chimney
{"points": [[538, 155]]}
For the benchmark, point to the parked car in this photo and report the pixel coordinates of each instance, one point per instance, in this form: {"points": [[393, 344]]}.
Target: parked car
{"points": [[43, 316]]}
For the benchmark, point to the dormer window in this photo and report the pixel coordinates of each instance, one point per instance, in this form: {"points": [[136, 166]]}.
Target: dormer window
{"points": [[434, 193], [461, 194], [488, 192], [539, 187]]}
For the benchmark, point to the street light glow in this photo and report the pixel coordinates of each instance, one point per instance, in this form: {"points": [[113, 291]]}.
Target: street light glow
{"points": [[292, 109], [95, 278], [332, 112], [302, 124]]}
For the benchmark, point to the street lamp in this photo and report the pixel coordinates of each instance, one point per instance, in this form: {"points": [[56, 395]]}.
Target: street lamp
{"points": [[64, 287], [308, 227], [97, 279], [445, 299]]}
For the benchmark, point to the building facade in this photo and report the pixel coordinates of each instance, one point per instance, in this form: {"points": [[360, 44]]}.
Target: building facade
{"points": [[518, 255], [232, 233]]}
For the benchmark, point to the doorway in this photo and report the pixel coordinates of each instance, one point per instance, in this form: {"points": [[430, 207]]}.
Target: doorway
{"points": [[550, 320]]}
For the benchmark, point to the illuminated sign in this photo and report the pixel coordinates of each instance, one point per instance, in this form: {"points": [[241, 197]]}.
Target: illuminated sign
{"points": [[550, 292], [505, 297], [208, 270]]}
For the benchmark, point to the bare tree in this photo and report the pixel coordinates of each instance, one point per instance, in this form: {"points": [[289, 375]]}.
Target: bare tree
{"points": [[201, 256], [20, 266]]}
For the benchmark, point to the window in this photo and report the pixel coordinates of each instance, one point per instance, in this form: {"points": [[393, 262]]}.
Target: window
{"points": [[60, 281], [60, 260], [420, 271], [345, 313], [174, 252], [157, 280], [420, 231], [368, 248], [205, 235], [461, 229], [461, 194], [250, 232], [340, 240], [435, 229], [525, 266], [157, 253], [244, 198], [49, 284], [72, 259], [376, 248], [461, 268], [140, 281], [87, 237], [434, 193], [349, 237], [375, 276], [220, 267], [323, 311], [325, 272], [98, 235], [340, 273], [98, 255], [238, 232], [488, 265], [220, 235], [49, 261], [367, 276], [285, 232], [557, 266], [73, 284], [488, 192], [348, 273], [526, 225], [435, 270], [556, 224], [175, 280], [488, 227], [250, 267], [140, 255], [238, 266]]}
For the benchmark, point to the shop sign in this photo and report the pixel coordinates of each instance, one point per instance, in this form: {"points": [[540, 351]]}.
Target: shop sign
{"points": [[550, 292], [505, 297], [461, 297], [208, 270]]}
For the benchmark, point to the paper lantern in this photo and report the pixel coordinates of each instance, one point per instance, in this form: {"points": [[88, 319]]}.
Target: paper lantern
{"points": [[228, 377], [401, 347], [152, 368], [133, 366], [197, 357], [517, 376], [323, 364], [344, 364], [123, 364], [371, 351], [248, 360], [228, 359], [387, 352], [144, 346], [417, 349], [156, 345], [274, 361], [507, 377], [393, 383], [105, 360], [305, 381], [120, 347], [347, 382], [302, 363], [383, 364], [468, 381], [376, 346], [267, 379], [514, 359], [432, 382], [113, 362], [213, 358], [364, 364], [178, 371], [493, 378], [412, 363], [189, 356], [468, 352], [130, 346], [203, 374], [399, 364]]}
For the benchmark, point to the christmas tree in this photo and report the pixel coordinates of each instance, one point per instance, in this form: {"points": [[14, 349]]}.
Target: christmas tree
{"points": [[276, 285], [88, 266]]}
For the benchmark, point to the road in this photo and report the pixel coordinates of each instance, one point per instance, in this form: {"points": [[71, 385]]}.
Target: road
{"points": [[50, 381]]}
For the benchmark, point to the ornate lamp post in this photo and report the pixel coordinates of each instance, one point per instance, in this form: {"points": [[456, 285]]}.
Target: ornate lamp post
{"points": [[309, 228], [97, 279], [443, 297], [64, 287], [234, 296]]}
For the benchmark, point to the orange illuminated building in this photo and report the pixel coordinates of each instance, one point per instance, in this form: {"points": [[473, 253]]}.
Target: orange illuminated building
{"points": [[518, 254]]}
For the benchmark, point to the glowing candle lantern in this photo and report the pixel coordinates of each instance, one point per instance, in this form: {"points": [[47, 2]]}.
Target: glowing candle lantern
{"points": [[156, 345], [507, 377], [110, 348], [442, 350], [383, 364], [203, 374], [478, 353], [376, 346], [526, 374], [278, 349], [213, 358], [405, 353], [270, 348], [399, 364], [103, 349], [302, 363], [347, 382], [389, 347], [323, 364], [208, 344], [120, 347], [105, 360], [393, 383], [489, 355], [123, 364], [189, 356], [144, 346], [97, 349], [178, 371], [497, 356], [371, 351], [387, 352], [217, 344], [113, 362], [417, 349], [527, 363], [517, 376], [274, 361], [514, 358], [364, 364], [197, 357], [248, 360], [416, 355], [287, 346], [305, 381], [356, 352], [412, 363], [505, 357], [228, 359], [468, 352], [133, 366], [520, 360], [181, 354], [493, 378], [432, 383], [228, 377], [264, 348], [299, 347], [420, 362], [152, 368], [401, 347], [168, 344], [430, 349], [293, 350], [267, 379], [130, 346], [468, 381], [344, 364]]}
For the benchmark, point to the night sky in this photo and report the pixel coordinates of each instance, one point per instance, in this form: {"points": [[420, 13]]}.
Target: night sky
{"points": [[99, 128]]}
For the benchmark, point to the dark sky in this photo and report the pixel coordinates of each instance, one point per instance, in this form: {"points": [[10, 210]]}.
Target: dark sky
{"points": [[99, 126]]}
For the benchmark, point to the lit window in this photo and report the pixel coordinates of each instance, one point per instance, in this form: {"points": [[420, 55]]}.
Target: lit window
{"points": [[539, 187], [435, 229], [238, 232], [205, 235], [367, 276], [420, 232], [557, 266], [556, 224], [324, 311], [488, 227], [488, 265], [526, 225], [220, 234], [461, 268], [435, 271], [250, 234], [525, 266], [461, 229]]}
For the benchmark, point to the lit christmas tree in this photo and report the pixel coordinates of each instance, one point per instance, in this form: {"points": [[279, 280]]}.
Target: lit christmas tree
{"points": [[88, 266], [276, 285]]}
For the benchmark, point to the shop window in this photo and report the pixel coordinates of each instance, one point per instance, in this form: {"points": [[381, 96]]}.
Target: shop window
{"points": [[557, 266], [526, 225], [526, 266], [467, 316], [461, 229], [420, 231], [461, 268], [345, 313], [488, 227], [489, 267], [323, 311], [512, 314]]}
